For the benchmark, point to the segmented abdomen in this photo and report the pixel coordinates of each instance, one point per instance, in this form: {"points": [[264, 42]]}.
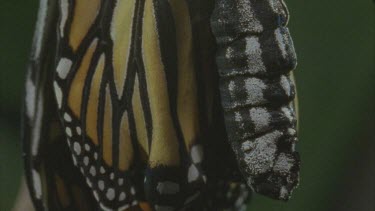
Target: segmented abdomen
{"points": [[255, 56]]}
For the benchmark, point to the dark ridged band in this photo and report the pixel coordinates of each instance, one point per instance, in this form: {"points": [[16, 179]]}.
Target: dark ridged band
{"points": [[255, 56]]}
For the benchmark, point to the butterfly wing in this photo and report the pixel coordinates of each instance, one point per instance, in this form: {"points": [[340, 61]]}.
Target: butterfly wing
{"points": [[47, 159], [103, 108]]}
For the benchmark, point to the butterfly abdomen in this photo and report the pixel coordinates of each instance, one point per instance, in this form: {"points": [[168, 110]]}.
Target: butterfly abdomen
{"points": [[255, 56]]}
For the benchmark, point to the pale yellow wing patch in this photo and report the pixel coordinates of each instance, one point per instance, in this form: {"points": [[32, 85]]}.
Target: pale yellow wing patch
{"points": [[164, 149], [75, 94], [140, 122], [121, 33], [107, 128], [125, 144], [92, 106], [84, 14], [187, 100]]}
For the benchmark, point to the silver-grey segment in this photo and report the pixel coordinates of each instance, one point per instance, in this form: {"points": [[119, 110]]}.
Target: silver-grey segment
{"points": [[255, 55]]}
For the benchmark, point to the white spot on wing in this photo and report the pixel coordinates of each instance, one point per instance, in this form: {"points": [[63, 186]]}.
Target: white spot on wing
{"points": [[39, 31], [132, 190], [197, 153], [58, 94], [37, 183], [122, 196], [193, 173], [92, 171], [101, 185], [204, 177], [64, 9], [67, 117], [68, 131], [77, 148], [104, 208], [96, 196], [37, 127], [63, 67], [126, 206], [30, 98], [74, 160], [86, 161], [102, 170], [79, 130], [87, 147], [168, 187], [88, 182], [120, 181]]}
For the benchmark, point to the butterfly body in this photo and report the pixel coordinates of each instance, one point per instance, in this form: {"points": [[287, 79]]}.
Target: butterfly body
{"points": [[255, 56]]}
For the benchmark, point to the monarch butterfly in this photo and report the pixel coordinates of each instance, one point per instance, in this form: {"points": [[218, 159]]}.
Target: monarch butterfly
{"points": [[123, 112]]}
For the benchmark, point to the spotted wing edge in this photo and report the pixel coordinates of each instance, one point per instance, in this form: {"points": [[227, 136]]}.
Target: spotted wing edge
{"points": [[34, 108]]}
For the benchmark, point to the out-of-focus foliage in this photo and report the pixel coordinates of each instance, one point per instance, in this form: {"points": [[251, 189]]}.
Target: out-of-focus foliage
{"points": [[336, 83], [16, 30]]}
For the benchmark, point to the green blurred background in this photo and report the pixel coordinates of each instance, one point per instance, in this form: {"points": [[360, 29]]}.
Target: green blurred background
{"points": [[336, 84]]}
